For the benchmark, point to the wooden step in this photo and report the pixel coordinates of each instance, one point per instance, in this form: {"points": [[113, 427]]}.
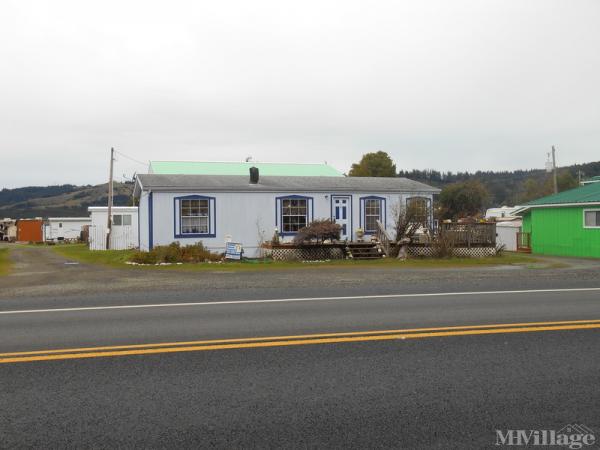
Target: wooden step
{"points": [[364, 250]]}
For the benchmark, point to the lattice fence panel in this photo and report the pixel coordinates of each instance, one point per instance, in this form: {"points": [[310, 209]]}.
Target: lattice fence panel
{"points": [[461, 252], [307, 253]]}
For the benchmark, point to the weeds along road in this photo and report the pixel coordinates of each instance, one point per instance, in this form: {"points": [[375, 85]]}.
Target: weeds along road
{"points": [[312, 358]]}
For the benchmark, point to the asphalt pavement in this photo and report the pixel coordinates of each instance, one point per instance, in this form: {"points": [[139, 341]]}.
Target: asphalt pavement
{"points": [[431, 393], [108, 369]]}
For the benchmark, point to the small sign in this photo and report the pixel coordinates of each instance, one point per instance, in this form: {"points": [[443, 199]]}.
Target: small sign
{"points": [[233, 250]]}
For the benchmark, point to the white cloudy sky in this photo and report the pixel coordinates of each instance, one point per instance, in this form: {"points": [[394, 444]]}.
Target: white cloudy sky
{"points": [[453, 85]]}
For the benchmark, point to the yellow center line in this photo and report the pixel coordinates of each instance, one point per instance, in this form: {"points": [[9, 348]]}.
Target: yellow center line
{"points": [[331, 338], [302, 336]]}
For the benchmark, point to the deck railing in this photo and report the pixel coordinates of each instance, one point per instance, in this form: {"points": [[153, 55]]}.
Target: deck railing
{"points": [[470, 234], [523, 242], [384, 238]]}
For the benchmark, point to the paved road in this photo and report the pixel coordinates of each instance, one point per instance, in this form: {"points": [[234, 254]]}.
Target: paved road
{"points": [[415, 389], [444, 392], [431, 393]]}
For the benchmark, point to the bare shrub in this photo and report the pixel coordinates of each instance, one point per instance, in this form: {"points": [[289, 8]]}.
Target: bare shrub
{"points": [[174, 253], [319, 231], [409, 218], [442, 244]]}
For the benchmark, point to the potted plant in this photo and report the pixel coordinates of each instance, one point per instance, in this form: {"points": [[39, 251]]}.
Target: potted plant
{"points": [[360, 233]]}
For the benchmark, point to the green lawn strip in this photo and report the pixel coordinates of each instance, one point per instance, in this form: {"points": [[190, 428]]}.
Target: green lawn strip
{"points": [[80, 252], [117, 258], [4, 261]]}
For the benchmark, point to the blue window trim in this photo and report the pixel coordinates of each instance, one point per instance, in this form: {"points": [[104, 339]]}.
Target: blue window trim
{"points": [[150, 222], [382, 211], [350, 232], [212, 214], [310, 211]]}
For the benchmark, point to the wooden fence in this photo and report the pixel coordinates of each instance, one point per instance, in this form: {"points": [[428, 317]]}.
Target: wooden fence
{"points": [[470, 234]]}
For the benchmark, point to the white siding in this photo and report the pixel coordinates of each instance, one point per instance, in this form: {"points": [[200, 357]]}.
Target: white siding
{"points": [[506, 234], [123, 236], [144, 223], [244, 216]]}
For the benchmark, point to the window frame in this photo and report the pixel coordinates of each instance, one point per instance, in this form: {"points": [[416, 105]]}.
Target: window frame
{"points": [[427, 201], [198, 215], [122, 220], [178, 204], [363, 213], [591, 227], [279, 212]]}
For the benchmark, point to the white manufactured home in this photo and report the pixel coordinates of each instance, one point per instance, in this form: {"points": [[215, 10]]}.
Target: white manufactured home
{"points": [[249, 209], [64, 228]]}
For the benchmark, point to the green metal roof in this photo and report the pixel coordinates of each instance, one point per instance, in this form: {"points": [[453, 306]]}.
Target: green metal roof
{"points": [[242, 168], [589, 193], [595, 179]]}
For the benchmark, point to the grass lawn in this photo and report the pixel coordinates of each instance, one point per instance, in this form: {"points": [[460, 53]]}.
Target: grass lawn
{"points": [[117, 258], [4, 262]]}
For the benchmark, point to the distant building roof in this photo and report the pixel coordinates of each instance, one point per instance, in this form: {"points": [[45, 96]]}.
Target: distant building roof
{"points": [[586, 194], [241, 168], [113, 208], [69, 219], [595, 179], [236, 183]]}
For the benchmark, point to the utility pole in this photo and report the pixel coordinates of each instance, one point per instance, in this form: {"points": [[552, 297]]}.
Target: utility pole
{"points": [[554, 168], [110, 199]]}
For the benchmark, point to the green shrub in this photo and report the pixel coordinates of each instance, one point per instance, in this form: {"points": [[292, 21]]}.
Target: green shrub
{"points": [[175, 253]]}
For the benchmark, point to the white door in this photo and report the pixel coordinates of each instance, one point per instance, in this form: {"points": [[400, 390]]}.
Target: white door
{"points": [[341, 215]]}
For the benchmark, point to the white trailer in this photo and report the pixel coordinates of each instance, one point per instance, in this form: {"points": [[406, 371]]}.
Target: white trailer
{"points": [[64, 228]]}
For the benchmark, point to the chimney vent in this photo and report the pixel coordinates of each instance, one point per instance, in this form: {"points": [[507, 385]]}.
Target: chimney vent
{"points": [[253, 175]]}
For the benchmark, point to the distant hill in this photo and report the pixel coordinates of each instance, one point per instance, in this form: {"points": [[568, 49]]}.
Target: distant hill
{"points": [[58, 201], [509, 187], [506, 188]]}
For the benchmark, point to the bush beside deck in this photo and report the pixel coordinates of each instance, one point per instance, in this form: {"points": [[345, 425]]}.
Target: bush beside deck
{"points": [[118, 258]]}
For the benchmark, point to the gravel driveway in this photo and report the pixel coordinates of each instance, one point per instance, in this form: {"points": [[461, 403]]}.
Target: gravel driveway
{"points": [[40, 272]]}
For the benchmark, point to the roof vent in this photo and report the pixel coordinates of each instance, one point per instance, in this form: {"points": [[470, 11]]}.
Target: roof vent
{"points": [[253, 175]]}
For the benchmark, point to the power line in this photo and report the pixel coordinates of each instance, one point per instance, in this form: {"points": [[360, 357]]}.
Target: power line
{"points": [[145, 164]]}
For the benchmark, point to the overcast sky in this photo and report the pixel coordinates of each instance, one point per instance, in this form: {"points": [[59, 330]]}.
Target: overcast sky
{"points": [[452, 85]]}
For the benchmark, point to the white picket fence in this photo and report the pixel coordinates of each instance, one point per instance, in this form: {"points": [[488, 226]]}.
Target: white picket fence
{"points": [[121, 238]]}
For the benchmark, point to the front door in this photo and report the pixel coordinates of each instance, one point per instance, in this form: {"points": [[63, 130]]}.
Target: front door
{"points": [[341, 214]]}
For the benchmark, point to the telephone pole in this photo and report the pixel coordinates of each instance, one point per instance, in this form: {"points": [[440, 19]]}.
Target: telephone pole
{"points": [[554, 168], [110, 199]]}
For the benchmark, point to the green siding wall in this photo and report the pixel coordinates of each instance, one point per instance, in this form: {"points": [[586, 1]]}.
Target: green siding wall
{"points": [[560, 231], [526, 226]]}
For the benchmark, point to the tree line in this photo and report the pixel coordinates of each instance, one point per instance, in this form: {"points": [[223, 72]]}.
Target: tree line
{"points": [[470, 193]]}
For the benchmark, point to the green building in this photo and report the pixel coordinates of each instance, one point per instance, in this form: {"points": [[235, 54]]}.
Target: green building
{"points": [[564, 224]]}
